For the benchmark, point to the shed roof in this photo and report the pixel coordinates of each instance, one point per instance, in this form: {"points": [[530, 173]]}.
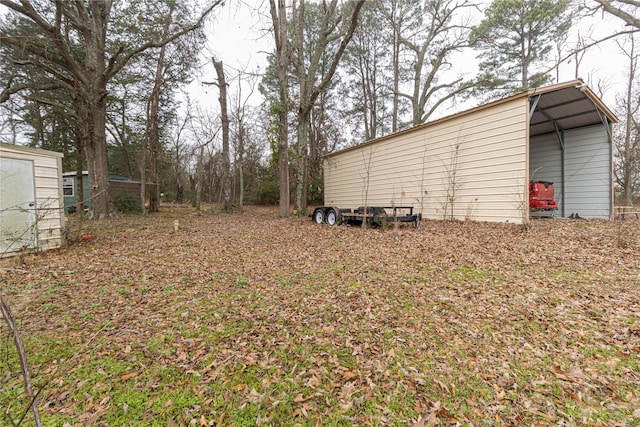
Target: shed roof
{"points": [[561, 106], [30, 150], [568, 105]]}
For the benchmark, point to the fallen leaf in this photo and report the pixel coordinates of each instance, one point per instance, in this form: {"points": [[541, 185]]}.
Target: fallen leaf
{"points": [[128, 376]]}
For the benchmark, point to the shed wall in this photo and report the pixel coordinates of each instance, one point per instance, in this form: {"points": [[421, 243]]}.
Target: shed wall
{"points": [[47, 167], [588, 180], [470, 167]]}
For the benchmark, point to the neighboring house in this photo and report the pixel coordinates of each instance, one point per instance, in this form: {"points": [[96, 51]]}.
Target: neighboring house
{"points": [[477, 164], [31, 206], [118, 185]]}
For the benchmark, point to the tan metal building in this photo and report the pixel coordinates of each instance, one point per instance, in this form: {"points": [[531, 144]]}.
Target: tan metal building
{"points": [[477, 164], [31, 203]]}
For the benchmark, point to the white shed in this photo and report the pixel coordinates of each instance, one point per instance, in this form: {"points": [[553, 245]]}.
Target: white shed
{"points": [[477, 164], [31, 202]]}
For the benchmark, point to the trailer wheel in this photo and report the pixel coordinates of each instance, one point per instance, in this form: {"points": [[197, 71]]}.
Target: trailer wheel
{"points": [[332, 217], [318, 216]]}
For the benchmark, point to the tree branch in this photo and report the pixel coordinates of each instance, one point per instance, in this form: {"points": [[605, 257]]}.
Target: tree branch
{"points": [[115, 64], [607, 6], [24, 366], [336, 59]]}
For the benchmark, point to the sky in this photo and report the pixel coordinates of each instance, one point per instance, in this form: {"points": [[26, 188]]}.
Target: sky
{"points": [[241, 37]]}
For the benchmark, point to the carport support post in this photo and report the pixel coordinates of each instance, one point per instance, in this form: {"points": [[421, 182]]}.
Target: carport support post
{"points": [[560, 134], [532, 109]]}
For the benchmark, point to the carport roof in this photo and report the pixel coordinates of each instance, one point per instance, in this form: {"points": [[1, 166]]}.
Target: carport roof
{"points": [[565, 106]]}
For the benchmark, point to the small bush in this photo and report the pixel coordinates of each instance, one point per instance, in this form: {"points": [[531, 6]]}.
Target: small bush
{"points": [[126, 203], [266, 192]]}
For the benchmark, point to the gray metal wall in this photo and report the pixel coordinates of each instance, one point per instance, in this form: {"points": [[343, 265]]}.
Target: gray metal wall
{"points": [[587, 170], [588, 177]]}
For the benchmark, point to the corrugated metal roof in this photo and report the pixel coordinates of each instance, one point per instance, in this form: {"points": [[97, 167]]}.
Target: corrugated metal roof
{"points": [[570, 105]]}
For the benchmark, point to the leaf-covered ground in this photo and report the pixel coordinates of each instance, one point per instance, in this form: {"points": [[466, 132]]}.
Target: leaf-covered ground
{"points": [[247, 319]]}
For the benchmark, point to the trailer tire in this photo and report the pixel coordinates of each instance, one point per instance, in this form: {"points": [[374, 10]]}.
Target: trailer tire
{"points": [[332, 217], [318, 216]]}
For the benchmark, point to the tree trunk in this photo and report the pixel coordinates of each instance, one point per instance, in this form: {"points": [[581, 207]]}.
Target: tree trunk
{"points": [[80, 139], [226, 166], [240, 162], [143, 177], [301, 151], [629, 149], [279, 19], [153, 133], [97, 163], [93, 87], [199, 180]]}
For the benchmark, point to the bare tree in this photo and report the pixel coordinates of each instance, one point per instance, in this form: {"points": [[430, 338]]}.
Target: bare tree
{"points": [[399, 15], [118, 128], [204, 130], [226, 163], [241, 133], [452, 182], [311, 85], [367, 156], [432, 47], [178, 153], [627, 142], [152, 134]]}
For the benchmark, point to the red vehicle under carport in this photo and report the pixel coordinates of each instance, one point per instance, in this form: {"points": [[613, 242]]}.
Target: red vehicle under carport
{"points": [[541, 196]]}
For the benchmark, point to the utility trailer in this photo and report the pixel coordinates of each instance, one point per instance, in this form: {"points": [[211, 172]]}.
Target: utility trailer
{"points": [[375, 215]]}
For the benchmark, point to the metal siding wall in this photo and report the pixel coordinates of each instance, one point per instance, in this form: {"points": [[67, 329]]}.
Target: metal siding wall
{"points": [[416, 168], [588, 173], [50, 204], [47, 171], [545, 163]]}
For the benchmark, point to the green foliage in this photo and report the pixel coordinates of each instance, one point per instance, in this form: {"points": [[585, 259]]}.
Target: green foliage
{"points": [[315, 192], [517, 37], [266, 191], [126, 203]]}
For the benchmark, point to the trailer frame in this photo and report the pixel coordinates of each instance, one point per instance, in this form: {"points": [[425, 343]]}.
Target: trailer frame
{"points": [[374, 215]]}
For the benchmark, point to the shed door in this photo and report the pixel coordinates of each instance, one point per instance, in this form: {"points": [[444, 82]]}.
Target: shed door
{"points": [[17, 205]]}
